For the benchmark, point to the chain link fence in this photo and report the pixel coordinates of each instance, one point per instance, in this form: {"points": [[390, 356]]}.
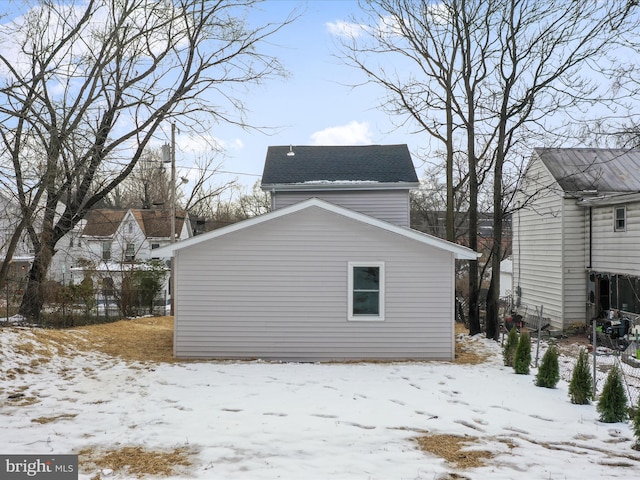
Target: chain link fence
{"points": [[69, 307], [609, 348]]}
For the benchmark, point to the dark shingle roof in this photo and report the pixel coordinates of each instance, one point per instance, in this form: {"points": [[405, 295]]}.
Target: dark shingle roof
{"points": [[310, 164], [601, 169], [103, 222]]}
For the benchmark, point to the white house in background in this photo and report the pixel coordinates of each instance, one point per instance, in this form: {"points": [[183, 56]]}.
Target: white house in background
{"points": [[10, 217], [332, 273], [109, 243], [576, 239]]}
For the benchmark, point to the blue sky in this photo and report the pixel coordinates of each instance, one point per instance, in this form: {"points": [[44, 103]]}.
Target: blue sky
{"points": [[313, 106]]}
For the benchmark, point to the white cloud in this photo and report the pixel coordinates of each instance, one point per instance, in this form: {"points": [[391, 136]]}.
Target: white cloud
{"points": [[353, 133], [340, 28]]}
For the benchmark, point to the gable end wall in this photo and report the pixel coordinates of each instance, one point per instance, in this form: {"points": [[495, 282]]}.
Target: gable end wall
{"points": [[278, 290], [389, 205]]}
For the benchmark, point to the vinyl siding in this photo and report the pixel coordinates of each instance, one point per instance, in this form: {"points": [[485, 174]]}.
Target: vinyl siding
{"points": [[278, 290], [538, 247], [615, 252], [388, 205], [574, 262]]}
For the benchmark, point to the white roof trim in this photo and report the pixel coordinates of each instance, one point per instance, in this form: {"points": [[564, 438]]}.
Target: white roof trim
{"points": [[459, 251], [611, 199]]}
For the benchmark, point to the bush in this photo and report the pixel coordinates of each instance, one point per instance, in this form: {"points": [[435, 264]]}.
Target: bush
{"points": [[549, 372], [581, 386], [509, 350], [523, 355], [612, 404], [636, 425]]}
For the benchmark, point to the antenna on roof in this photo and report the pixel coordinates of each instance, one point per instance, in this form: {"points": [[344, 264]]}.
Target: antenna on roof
{"points": [[291, 153]]}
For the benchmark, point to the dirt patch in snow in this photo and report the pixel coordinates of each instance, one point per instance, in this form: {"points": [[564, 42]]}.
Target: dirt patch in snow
{"points": [[455, 449], [467, 350], [136, 461]]}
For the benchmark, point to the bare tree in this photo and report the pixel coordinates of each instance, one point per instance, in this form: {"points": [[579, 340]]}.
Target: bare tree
{"points": [[492, 75], [204, 191], [88, 84]]}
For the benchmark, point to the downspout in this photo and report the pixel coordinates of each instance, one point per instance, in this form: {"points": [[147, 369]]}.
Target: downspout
{"points": [[590, 235]]}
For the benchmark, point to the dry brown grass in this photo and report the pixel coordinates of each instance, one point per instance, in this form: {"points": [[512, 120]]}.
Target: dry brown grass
{"points": [[136, 461], [455, 450], [142, 339], [465, 353], [138, 340], [64, 416]]}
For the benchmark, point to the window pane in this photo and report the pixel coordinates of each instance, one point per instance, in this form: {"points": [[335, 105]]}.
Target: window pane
{"points": [[366, 278], [620, 218], [366, 303]]}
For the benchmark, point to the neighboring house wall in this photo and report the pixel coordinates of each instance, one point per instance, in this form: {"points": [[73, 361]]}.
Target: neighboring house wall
{"points": [[279, 289], [388, 205], [10, 217], [615, 251], [574, 276], [538, 244], [569, 257]]}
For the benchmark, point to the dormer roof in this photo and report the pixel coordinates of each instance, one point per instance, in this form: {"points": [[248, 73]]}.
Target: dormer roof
{"points": [[318, 167]]}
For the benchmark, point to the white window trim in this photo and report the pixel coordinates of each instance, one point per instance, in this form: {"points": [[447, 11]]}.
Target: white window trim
{"points": [[615, 218], [381, 298]]}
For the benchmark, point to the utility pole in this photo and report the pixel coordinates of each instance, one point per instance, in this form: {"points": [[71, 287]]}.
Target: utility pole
{"points": [[173, 186], [170, 152]]}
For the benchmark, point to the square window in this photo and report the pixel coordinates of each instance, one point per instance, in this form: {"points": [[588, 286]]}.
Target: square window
{"points": [[366, 291], [619, 219]]}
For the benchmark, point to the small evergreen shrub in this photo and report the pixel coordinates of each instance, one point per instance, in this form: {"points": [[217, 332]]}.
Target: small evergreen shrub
{"points": [[509, 350], [612, 404], [549, 372], [636, 425], [523, 355], [581, 386]]}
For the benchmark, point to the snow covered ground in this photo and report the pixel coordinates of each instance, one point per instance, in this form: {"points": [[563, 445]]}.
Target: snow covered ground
{"points": [[257, 420]]}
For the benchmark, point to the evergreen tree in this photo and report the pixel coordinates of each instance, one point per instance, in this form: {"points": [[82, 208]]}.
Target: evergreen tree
{"points": [[523, 355], [581, 386], [612, 404], [509, 350], [636, 425], [549, 372]]}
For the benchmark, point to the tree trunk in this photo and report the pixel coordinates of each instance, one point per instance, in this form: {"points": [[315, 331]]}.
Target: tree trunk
{"points": [[493, 296], [33, 298]]}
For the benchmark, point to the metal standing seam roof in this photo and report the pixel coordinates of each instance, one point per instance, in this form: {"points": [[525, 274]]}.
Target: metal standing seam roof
{"points": [[606, 170], [338, 164]]}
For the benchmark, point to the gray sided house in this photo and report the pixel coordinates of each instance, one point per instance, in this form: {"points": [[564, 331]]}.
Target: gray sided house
{"points": [[331, 273], [576, 237]]}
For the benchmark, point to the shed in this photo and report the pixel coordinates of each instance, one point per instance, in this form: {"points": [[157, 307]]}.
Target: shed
{"points": [[331, 273]]}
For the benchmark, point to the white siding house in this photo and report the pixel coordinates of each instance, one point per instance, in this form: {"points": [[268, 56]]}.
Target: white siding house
{"points": [[563, 231], [316, 281]]}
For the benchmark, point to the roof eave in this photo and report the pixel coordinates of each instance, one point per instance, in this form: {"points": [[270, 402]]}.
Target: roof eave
{"points": [[320, 186], [458, 251], [610, 199]]}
